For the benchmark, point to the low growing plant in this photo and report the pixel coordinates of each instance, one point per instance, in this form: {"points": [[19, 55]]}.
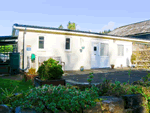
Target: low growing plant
{"points": [[57, 98], [7, 93]]}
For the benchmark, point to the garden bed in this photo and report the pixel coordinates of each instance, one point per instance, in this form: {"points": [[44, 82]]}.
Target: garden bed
{"points": [[39, 82]]}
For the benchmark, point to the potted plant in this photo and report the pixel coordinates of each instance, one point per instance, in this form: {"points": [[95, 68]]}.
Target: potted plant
{"points": [[31, 74], [112, 66], [50, 72], [82, 68]]}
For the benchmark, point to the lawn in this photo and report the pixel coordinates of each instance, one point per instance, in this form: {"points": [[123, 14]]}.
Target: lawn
{"points": [[11, 85]]}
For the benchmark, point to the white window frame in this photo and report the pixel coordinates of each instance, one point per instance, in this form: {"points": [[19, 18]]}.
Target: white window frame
{"points": [[38, 42], [121, 50], [70, 44]]}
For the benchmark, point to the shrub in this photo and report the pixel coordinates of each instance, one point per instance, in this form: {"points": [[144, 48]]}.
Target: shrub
{"points": [[116, 89], [32, 71], [50, 70], [57, 98], [133, 58]]}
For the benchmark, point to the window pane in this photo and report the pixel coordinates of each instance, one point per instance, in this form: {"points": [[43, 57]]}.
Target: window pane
{"points": [[95, 48], [120, 50], [104, 49], [68, 43], [41, 38], [41, 42]]}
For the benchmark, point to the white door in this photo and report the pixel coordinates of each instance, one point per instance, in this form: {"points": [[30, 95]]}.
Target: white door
{"points": [[95, 55], [104, 55]]}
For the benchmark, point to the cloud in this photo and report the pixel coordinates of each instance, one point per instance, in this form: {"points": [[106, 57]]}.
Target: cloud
{"points": [[110, 26], [77, 27]]}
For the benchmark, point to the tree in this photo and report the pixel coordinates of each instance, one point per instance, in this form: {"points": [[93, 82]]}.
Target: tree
{"points": [[105, 31], [71, 26], [60, 27]]}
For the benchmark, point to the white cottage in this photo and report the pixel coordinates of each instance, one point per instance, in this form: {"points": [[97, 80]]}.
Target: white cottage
{"points": [[74, 48]]}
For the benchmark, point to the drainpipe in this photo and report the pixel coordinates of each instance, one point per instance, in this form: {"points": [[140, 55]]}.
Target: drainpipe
{"points": [[23, 46], [28, 65]]}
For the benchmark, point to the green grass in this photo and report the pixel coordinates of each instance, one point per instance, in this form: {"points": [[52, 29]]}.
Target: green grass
{"points": [[11, 84]]}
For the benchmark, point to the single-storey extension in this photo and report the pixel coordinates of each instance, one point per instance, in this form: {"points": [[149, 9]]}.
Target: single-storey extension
{"points": [[74, 48]]}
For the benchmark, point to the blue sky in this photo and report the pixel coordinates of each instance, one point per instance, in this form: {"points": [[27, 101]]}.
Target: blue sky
{"points": [[94, 15]]}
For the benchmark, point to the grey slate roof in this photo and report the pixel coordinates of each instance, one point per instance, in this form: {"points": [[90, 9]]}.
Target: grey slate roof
{"points": [[132, 29]]}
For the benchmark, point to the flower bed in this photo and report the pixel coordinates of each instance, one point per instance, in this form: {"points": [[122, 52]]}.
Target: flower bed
{"points": [[73, 98]]}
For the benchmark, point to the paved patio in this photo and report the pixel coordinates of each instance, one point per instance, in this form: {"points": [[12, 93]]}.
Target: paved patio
{"points": [[110, 74]]}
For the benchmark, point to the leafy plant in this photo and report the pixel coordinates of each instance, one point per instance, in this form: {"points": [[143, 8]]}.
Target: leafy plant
{"points": [[129, 72], [7, 93], [32, 71], [50, 70], [57, 98], [133, 58], [90, 78]]}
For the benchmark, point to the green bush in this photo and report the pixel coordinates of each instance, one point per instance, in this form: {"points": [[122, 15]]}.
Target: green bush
{"points": [[116, 89], [50, 70], [133, 58]]}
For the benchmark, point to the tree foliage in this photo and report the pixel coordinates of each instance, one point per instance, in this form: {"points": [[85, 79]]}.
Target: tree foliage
{"points": [[105, 31], [7, 48], [71, 26], [60, 27]]}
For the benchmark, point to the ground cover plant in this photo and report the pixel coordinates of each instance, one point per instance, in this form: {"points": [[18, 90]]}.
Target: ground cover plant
{"points": [[56, 98]]}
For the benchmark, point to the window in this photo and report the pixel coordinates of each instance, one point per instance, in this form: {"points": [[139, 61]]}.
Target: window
{"points": [[120, 50], [95, 48], [41, 42], [67, 43], [104, 51]]}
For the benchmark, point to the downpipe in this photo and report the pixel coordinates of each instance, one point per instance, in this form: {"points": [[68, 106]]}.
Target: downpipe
{"points": [[28, 64]]}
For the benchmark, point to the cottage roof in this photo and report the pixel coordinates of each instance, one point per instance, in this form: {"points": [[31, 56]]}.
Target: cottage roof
{"points": [[132, 29], [20, 26]]}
